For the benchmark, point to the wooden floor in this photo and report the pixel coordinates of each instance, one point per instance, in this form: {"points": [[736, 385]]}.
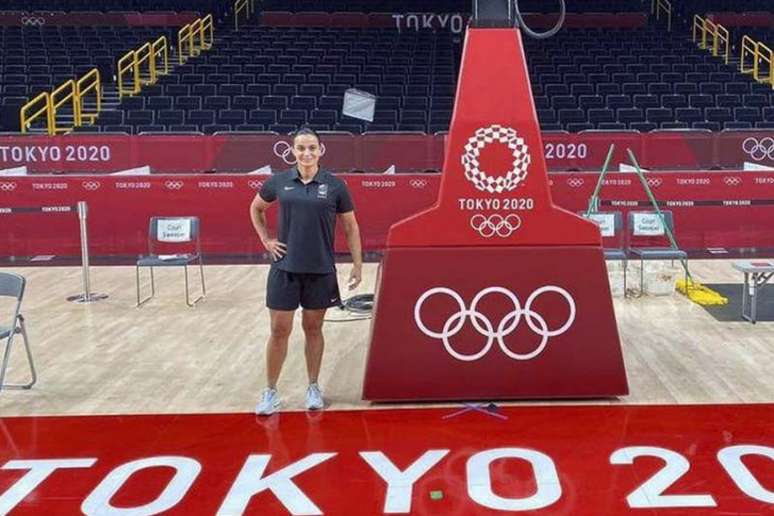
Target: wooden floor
{"points": [[112, 358]]}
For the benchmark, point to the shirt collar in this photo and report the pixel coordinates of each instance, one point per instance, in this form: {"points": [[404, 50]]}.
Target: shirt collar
{"points": [[318, 177]]}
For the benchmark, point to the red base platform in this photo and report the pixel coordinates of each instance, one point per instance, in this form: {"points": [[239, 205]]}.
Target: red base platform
{"points": [[497, 322], [494, 292]]}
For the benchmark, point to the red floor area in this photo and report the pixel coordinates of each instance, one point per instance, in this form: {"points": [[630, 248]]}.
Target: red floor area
{"points": [[550, 460]]}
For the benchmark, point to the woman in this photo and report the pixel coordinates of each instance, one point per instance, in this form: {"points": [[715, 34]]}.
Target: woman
{"points": [[303, 270]]}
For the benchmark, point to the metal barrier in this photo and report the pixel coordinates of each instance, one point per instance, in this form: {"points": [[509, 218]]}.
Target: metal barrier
{"points": [[710, 29], [698, 27], [27, 120], [195, 37], [126, 63], [764, 54], [143, 57], [248, 7], [86, 84], [196, 30], [159, 51], [87, 296], [665, 7], [722, 36], [208, 27], [150, 55], [70, 92], [184, 37], [749, 47]]}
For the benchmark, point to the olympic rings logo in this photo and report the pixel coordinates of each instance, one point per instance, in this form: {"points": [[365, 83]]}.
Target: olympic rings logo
{"points": [[495, 224], [654, 182], [91, 185], [284, 150], [7, 187], [418, 183], [519, 150], [33, 21], [575, 182], [732, 180], [173, 185], [759, 149], [486, 328], [255, 185]]}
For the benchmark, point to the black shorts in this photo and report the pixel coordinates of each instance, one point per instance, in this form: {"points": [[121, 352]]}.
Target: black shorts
{"points": [[286, 290]]}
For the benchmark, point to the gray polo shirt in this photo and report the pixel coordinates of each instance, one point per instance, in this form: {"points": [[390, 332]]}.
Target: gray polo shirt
{"points": [[307, 218]]}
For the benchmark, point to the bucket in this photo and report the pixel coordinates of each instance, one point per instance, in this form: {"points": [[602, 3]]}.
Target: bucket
{"points": [[661, 277]]}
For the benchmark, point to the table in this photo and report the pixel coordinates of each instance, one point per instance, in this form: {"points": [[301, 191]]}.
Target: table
{"points": [[756, 274]]}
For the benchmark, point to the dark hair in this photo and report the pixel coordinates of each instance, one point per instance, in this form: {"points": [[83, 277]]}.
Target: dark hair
{"points": [[306, 130]]}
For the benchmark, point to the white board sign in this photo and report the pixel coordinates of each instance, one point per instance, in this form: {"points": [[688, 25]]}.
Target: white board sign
{"points": [[648, 224], [606, 223], [174, 230]]}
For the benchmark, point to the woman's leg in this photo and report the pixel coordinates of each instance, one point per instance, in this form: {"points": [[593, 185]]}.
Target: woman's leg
{"points": [[312, 322], [277, 346]]}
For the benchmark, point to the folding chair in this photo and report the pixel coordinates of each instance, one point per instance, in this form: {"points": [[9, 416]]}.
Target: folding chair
{"points": [[648, 224], [168, 233], [611, 227], [12, 285]]}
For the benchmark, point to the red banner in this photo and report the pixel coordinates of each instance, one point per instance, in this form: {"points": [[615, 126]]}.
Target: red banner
{"points": [[95, 19], [711, 209], [682, 150], [120, 206], [371, 153], [751, 19], [454, 22]]}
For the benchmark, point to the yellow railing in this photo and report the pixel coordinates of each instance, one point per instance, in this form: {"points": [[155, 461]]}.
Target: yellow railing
{"points": [[159, 52], [69, 94], [128, 63], [196, 30], [764, 54], [698, 28], [207, 34], [722, 37], [195, 37], [248, 8], [665, 7], [184, 37], [144, 57], [749, 47], [86, 84], [710, 29], [27, 119]]}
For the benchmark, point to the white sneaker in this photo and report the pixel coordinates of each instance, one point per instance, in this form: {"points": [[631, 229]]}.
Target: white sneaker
{"points": [[314, 399], [270, 402]]}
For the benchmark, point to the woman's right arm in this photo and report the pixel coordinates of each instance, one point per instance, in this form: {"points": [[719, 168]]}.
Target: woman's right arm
{"points": [[258, 217]]}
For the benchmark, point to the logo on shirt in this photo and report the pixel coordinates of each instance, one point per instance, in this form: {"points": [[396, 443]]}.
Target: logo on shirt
{"points": [[322, 192], [289, 187]]}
